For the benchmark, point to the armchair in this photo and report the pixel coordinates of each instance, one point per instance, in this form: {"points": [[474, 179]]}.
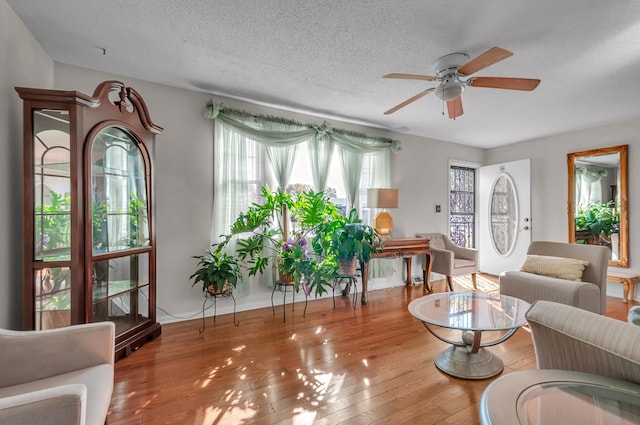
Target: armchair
{"points": [[590, 293], [57, 376], [448, 259], [594, 359]]}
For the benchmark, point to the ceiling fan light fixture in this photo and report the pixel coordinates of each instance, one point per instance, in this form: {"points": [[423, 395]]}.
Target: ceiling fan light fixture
{"points": [[449, 91]]}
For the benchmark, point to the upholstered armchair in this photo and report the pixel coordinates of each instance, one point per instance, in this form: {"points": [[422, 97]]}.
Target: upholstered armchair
{"points": [[57, 376], [588, 292], [569, 338], [449, 259], [594, 360]]}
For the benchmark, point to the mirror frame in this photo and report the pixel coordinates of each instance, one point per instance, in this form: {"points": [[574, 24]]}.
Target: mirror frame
{"points": [[622, 191]]}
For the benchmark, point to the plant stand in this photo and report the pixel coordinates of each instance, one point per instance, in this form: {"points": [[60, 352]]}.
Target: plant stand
{"points": [[215, 296], [349, 280], [284, 286]]}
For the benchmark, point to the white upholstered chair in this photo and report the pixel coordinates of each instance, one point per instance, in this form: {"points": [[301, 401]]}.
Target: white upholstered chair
{"points": [[449, 259], [57, 376], [593, 348], [590, 293]]}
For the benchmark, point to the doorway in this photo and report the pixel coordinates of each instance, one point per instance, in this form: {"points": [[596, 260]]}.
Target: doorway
{"points": [[504, 216]]}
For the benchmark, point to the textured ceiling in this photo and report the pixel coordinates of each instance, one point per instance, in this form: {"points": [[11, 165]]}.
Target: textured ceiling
{"points": [[327, 58]]}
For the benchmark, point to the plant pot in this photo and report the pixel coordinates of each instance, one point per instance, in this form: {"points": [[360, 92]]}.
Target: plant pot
{"points": [[226, 288], [347, 266], [285, 278]]}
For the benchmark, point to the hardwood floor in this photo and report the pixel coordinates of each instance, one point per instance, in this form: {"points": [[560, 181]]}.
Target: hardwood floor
{"points": [[371, 365]]}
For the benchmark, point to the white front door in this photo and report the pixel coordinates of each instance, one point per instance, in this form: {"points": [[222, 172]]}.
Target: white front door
{"points": [[504, 216]]}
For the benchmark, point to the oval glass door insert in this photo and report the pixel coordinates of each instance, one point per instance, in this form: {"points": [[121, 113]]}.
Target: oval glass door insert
{"points": [[503, 214]]}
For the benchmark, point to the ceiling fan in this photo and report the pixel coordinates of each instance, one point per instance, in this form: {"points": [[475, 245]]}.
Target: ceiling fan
{"points": [[452, 72]]}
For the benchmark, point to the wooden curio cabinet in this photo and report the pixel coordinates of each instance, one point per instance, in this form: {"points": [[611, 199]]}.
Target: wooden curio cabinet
{"points": [[89, 239]]}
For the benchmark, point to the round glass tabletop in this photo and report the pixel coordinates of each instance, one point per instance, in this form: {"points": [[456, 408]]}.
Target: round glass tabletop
{"points": [[561, 397], [470, 311]]}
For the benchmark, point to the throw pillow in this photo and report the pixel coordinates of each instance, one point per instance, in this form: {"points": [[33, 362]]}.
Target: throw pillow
{"points": [[559, 267]]}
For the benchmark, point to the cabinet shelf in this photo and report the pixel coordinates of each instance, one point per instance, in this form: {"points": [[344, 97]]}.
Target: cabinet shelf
{"points": [[115, 288]]}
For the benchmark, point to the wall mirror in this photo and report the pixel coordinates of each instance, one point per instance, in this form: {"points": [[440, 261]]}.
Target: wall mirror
{"points": [[597, 204]]}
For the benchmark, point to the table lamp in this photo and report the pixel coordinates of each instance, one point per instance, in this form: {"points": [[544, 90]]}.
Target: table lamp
{"points": [[382, 198]]}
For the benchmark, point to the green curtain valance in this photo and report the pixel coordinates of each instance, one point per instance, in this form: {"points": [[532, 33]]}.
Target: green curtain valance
{"points": [[252, 127]]}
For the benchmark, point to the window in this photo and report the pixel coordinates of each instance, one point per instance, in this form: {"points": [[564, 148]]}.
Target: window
{"points": [[302, 181], [250, 152], [462, 212]]}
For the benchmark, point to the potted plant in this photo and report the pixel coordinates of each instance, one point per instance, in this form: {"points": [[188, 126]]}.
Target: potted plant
{"points": [[353, 241], [264, 237], [597, 221], [217, 270]]}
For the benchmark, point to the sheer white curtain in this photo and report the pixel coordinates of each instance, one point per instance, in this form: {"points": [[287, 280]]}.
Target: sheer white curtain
{"points": [[379, 175], [589, 185], [351, 172], [230, 182], [320, 152]]}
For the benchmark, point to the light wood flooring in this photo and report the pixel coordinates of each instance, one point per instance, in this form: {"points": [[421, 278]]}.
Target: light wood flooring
{"points": [[368, 365]]}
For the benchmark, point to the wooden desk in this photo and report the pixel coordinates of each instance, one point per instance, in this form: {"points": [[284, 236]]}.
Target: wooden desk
{"points": [[405, 248]]}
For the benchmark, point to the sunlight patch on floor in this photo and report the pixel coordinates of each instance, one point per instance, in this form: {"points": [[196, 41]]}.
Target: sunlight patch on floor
{"points": [[464, 283]]}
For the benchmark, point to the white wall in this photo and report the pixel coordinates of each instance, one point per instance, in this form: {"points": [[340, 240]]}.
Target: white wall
{"points": [[549, 186], [24, 63]]}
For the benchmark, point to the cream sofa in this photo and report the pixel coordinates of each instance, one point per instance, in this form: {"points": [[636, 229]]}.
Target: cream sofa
{"points": [[57, 376], [589, 294], [449, 259]]}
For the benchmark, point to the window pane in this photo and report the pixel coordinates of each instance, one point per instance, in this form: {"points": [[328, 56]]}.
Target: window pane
{"points": [[462, 206]]}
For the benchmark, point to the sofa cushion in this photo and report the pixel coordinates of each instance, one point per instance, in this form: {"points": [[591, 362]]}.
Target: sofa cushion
{"points": [[558, 267], [97, 379], [462, 262]]}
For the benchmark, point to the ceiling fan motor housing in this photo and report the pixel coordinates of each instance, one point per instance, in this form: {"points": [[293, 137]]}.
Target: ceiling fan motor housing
{"points": [[446, 70]]}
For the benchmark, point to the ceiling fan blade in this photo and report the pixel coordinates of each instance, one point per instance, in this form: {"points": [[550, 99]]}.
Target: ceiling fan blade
{"points": [[410, 77], [455, 107], [488, 58], [526, 84], [408, 101]]}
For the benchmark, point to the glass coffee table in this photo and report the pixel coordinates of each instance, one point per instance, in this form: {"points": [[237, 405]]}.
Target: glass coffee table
{"points": [[472, 313]]}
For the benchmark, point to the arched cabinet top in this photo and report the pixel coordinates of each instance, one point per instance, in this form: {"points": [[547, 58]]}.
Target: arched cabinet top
{"points": [[112, 98]]}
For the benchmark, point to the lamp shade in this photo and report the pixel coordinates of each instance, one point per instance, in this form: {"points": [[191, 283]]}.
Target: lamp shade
{"points": [[382, 198]]}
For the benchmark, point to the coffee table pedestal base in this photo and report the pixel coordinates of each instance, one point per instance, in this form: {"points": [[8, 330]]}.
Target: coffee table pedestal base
{"points": [[458, 362]]}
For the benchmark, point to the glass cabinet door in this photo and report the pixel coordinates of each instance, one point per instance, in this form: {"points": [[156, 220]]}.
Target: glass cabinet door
{"points": [[51, 218], [120, 241]]}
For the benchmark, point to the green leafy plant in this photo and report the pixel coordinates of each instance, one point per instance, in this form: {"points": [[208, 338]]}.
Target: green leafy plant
{"points": [[354, 239], [598, 218], [216, 268], [53, 223], [261, 237]]}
